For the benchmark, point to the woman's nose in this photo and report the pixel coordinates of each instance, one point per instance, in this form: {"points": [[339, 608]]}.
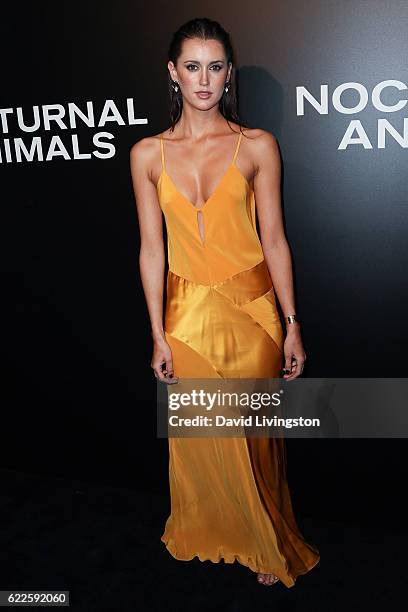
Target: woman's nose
{"points": [[203, 77]]}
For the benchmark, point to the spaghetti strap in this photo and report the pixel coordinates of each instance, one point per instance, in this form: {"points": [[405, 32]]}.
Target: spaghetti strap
{"points": [[237, 147], [162, 151]]}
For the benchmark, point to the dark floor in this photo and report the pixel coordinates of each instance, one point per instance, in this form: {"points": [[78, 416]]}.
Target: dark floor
{"points": [[103, 545]]}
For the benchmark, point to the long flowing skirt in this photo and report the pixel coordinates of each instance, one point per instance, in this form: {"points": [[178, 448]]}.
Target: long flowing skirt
{"points": [[229, 496]]}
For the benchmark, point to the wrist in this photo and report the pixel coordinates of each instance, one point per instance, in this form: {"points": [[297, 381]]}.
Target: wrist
{"points": [[292, 323], [158, 334], [293, 328]]}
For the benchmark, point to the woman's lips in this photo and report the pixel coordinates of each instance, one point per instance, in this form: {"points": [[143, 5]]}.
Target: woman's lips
{"points": [[203, 94]]}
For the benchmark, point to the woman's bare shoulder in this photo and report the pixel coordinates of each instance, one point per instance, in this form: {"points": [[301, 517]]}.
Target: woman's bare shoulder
{"points": [[145, 145], [259, 135], [145, 152], [261, 142]]}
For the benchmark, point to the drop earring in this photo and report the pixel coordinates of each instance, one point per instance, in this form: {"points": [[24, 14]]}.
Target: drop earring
{"points": [[226, 88], [175, 86]]}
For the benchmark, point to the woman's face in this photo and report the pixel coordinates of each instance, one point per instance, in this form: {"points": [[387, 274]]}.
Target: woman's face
{"points": [[201, 67]]}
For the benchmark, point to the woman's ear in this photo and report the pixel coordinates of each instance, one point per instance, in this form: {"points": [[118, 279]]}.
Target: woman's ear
{"points": [[172, 70]]}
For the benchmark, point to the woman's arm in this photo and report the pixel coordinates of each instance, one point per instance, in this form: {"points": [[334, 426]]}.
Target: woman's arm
{"points": [[151, 256], [274, 244]]}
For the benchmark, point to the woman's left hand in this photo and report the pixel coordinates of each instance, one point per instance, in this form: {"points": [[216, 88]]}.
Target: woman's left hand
{"points": [[295, 356]]}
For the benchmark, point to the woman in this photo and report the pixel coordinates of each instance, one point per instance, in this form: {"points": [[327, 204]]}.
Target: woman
{"points": [[229, 496]]}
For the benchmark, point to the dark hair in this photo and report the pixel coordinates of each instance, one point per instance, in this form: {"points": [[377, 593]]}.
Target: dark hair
{"points": [[205, 29]]}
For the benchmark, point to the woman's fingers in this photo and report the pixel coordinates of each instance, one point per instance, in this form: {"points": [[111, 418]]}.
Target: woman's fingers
{"points": [[163, 371], [169, 368], [294, 365]]}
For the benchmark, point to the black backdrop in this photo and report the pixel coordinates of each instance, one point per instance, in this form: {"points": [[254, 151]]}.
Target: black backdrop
{"points": [[77, 336]]}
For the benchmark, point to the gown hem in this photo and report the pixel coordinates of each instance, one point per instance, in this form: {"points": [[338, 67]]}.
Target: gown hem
{"points": [[287, 579]]}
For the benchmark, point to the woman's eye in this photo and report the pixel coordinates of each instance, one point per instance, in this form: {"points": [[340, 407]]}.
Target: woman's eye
{"points": [[192, 67]]}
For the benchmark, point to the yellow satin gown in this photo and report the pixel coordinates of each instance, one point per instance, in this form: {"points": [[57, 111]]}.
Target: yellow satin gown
{"points": [[229, 496]]}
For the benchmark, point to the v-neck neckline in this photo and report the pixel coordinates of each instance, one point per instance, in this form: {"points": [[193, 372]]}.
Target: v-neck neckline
{"points": [[210, 197], [185, 198]]}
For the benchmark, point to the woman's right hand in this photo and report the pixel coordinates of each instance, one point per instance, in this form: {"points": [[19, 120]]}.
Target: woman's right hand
{"points": [[162, 355]]}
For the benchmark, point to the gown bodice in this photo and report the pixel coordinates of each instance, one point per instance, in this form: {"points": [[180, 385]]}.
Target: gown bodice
{"points": [[230, 243]]}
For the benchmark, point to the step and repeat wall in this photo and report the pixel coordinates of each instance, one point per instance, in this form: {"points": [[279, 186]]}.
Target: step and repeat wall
{"points": [[82, 82]]}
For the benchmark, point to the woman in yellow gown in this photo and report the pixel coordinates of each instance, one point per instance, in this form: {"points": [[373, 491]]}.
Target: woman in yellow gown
{"points": [[209, 177]]}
